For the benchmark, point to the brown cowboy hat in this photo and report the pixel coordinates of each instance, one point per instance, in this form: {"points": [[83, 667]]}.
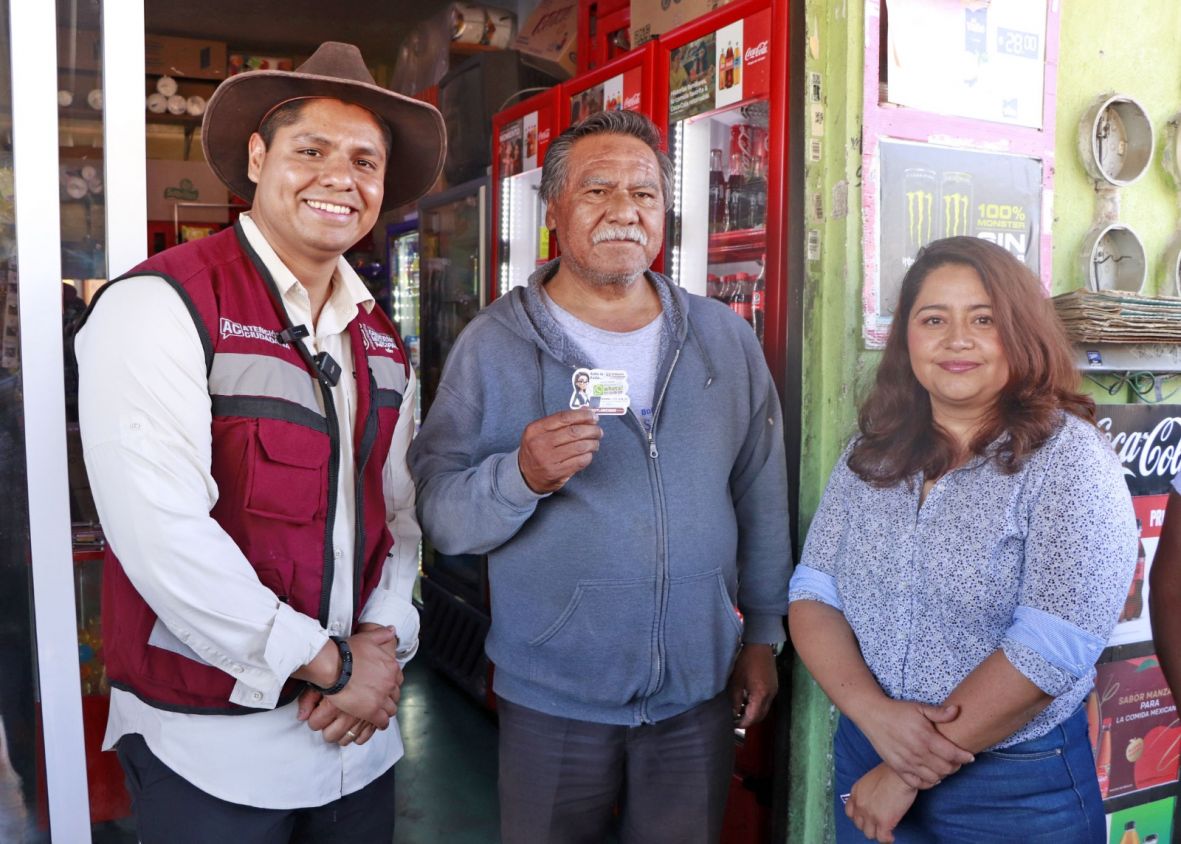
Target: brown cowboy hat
{"points": [[335, 70]]}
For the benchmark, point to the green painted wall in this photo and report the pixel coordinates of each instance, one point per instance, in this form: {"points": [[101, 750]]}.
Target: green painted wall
{"points": [[1098, 53], [835, 366]]}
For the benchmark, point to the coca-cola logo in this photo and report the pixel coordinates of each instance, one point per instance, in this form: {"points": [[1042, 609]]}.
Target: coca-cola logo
{"points": [[1152, 454], [758, 51], [543, 135], [632, 103]]}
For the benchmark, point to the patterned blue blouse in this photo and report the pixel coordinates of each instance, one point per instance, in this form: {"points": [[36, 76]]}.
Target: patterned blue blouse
{"points": [[1036, 563]]}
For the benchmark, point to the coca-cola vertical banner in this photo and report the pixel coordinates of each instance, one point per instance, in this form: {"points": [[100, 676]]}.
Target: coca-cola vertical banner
{"points": [[1147, 438]]}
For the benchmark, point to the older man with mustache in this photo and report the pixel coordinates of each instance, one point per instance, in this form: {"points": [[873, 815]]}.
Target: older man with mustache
{"points": [[622, 663]]}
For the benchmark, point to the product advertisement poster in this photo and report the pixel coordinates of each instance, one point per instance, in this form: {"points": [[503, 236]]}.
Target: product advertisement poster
{"points": [[1135, 732], [722, 68], [618, 92], [983, 59], [1150, 823], [1147, 439], [510, 149], [929, 192], [521, 144]]}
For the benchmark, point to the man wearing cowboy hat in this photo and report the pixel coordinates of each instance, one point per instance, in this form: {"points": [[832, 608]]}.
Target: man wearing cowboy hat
{"points": [[240, 399]]}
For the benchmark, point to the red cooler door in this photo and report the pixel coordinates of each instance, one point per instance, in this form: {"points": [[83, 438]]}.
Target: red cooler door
{"points": [[520, 136], [727, 117]]}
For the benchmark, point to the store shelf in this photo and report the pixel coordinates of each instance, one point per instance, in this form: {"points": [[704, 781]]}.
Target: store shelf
{"points": [[1127, 357], [741, 245]]}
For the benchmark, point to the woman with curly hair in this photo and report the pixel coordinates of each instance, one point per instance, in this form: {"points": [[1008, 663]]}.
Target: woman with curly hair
{"points": [[965, 568]]}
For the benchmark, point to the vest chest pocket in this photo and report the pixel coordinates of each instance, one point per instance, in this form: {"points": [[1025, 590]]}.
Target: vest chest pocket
{"points": [[288, 472]]}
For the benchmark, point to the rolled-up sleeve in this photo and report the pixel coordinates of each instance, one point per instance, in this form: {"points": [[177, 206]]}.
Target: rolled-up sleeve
{"points": [[815, 578], [1080, 552]]}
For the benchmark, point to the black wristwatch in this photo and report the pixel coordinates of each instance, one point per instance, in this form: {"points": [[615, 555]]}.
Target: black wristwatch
{"points": [[346, 667]]}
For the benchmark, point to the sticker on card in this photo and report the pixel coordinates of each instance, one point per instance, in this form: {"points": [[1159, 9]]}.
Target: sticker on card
{"points": [[602, 390]]}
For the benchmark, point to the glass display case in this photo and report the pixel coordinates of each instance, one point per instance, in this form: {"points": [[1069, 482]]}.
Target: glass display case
{"points": [[453, 264], [454, 236], [727, 125]]}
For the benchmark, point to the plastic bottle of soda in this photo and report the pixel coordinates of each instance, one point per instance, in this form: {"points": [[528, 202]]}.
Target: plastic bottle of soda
{"points": [[740, 301], [1103, 761], [713, 286], [717, 192], [756, 190], [737, 199], [758, 302]]}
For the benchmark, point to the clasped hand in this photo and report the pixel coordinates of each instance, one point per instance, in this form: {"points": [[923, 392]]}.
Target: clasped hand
{"points": [[368, 701], [915, 756], [904, 735]]}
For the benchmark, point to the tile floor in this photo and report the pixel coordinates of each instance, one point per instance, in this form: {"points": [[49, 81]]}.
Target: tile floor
{"points": [[446, 782]]}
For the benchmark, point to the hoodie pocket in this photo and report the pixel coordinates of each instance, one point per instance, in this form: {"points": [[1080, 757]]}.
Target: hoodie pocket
{"points": [[599, 649], [701, 638]]}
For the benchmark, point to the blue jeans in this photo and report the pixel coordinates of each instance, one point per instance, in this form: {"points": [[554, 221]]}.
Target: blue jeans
{"points": [[1042, 790]]}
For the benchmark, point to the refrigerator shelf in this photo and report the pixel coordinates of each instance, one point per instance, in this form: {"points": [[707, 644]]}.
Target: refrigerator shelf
{"points": [[741, 245]]}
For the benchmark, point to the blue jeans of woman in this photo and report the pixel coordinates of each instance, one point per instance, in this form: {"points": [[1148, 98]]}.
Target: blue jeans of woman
{"points": [[1042, 790]]}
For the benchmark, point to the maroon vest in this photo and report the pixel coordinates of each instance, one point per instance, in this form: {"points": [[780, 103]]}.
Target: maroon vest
{"points": [[275, 461]]}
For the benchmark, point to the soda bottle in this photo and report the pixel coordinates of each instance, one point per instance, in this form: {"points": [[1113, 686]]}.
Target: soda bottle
{"points": [[740, 300], [713, 286], [737, 200], [738, 65], [758, 302], [1130, 836], [1103, 761], [729, 287], [717, 192], [1134, 603], [756, 190], [729, 67]]}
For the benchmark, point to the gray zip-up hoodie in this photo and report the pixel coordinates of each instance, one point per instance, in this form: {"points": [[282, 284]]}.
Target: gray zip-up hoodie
{"points": [[621, 598]]}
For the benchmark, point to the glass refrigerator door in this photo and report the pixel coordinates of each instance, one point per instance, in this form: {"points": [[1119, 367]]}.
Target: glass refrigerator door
{"points": [[453, 229], [720, 139], [403, 264], [524, 238], [719, 220]]}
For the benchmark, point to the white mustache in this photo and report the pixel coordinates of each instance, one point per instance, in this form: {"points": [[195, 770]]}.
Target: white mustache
{"points": [[620, 233]]}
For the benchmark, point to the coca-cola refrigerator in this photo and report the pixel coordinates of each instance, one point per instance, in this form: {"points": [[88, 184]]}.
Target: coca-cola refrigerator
{"points": [[722, 82], [520, 136], [627, 82]]}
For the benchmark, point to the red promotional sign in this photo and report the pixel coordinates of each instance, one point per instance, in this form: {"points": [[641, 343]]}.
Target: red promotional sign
{"points": [[756, 55], [632, 98], [1135, 731]]}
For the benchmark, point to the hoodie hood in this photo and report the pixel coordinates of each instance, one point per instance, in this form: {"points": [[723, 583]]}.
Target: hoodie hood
{"points": [[523, 311]]}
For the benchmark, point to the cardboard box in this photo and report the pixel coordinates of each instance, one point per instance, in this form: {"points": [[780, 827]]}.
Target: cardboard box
{"points": [[243, 62], [194, 58], [82, 45], [549, 39], [170, 182], [650, 18]]}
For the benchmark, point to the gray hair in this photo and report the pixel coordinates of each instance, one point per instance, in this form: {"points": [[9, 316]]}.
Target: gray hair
{"points": [[556, 168]]}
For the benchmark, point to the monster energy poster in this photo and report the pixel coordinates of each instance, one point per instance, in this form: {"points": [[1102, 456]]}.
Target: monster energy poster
{"points": [[928, 192]]}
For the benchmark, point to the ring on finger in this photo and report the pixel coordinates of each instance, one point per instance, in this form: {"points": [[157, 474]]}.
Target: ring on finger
{"points": [[351, 734]]}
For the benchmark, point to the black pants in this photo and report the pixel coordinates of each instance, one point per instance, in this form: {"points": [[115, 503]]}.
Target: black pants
{"points": [[561, 779], [169, 810]]}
